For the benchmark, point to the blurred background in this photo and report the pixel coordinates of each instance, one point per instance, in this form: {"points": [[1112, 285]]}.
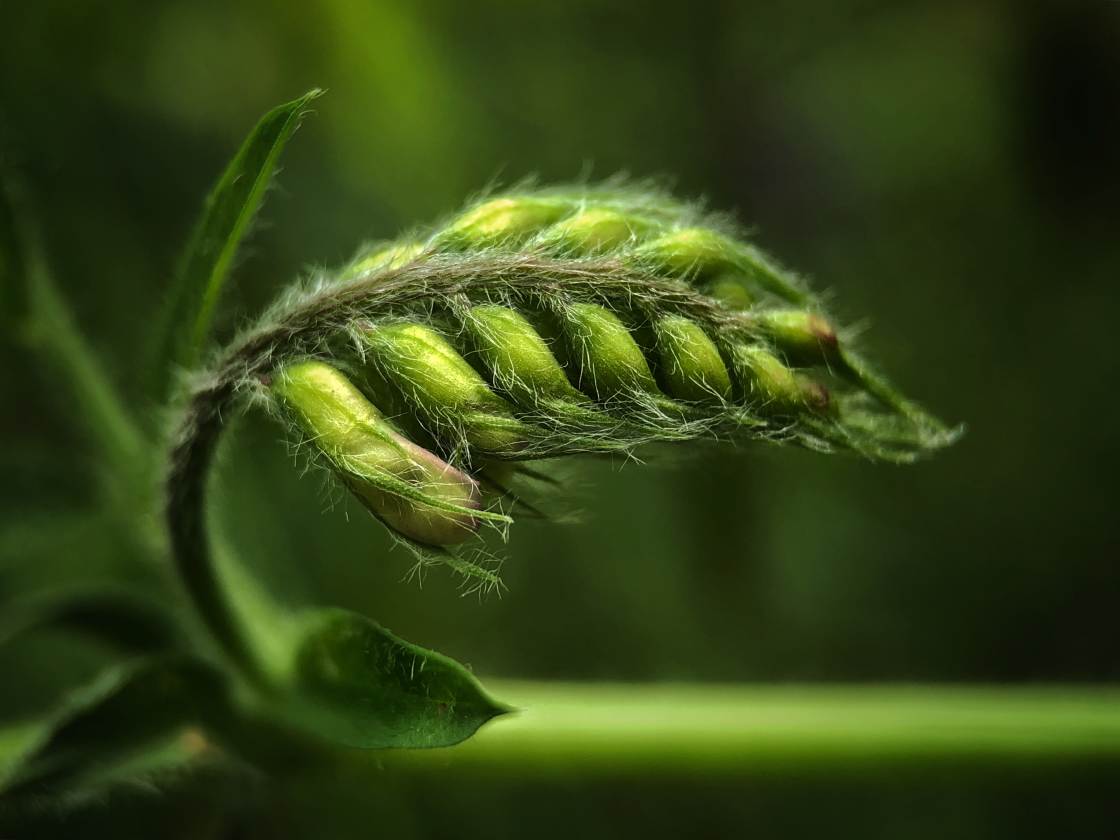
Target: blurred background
{"points": [[948, 171]]}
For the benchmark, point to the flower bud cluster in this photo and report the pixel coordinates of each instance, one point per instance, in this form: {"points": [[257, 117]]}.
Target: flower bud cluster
{"points": [[689, 331]]}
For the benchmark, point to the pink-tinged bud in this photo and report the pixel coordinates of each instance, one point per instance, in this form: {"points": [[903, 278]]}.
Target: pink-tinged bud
{"points": [[411, 490]]}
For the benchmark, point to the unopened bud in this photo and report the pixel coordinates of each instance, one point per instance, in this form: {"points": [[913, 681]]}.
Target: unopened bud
{"points": [[778, 387], [805, 337], [610, 362], [516, 355], [594, 230], [502, 220], [410, 489], [702, 254], [690, 364], [730, 290], [431, 373], [382, 258], [698, 253]]}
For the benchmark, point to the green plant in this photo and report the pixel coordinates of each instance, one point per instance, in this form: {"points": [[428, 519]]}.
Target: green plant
{"points": [[427, 375]]}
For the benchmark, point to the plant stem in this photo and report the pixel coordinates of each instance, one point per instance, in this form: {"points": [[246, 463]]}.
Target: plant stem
{"points": [[190, 462], [719, 729], [52, 329]]}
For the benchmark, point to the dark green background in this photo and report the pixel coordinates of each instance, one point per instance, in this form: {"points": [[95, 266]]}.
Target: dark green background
{"points": [[948, 171]]}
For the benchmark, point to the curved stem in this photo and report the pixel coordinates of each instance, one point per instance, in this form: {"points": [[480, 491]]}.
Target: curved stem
{"points": [[186, 520]]}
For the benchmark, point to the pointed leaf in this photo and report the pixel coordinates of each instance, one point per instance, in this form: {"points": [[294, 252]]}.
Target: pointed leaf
{"points": [[357, 684], [226, 218]]}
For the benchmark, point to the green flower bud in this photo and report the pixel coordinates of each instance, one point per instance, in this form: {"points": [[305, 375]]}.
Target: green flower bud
{"points": [[699, 253], [776, 386], [702, 254], [410, 489], [383, 258], [609, 360], [503, 220], [519, 360], [595, 230], [805, 337], [690, 364], [432, 375], [730, 290]]}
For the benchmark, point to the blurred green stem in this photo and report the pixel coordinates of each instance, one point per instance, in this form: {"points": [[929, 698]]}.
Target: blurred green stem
{"points": [[189, 462], [53, 330], [721, 729]]}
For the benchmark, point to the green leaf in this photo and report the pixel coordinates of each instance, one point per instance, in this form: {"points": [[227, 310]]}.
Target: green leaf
{"points": [[355, 683], [335, 676], [123, 619], [226, 218], [109, 721]]}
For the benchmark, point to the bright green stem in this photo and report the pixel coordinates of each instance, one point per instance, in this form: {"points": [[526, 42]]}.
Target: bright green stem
{"points": [[721, 729]]}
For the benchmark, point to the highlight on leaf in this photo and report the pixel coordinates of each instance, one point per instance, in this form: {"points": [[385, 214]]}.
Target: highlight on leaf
{"points": [[355, 683]]}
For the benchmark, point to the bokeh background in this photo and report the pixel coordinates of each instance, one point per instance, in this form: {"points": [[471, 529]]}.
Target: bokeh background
{"points": [[949, 171]]}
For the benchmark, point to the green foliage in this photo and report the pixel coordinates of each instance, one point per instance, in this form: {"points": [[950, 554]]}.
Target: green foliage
{"points": [[349, 682], [955, 208], [532, 325], [226, 219]]}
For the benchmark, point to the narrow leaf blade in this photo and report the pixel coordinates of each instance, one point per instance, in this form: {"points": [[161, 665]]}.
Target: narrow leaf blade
{"points": [[108, 721], [356, 684], [35, 313], [226, 218]]}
